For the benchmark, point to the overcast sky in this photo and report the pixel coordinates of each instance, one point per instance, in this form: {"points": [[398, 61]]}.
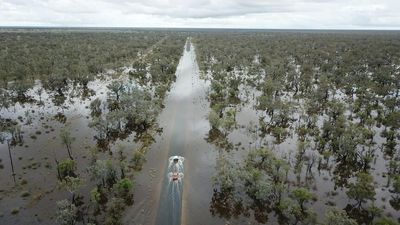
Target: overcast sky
{"points": [[281, 14]]}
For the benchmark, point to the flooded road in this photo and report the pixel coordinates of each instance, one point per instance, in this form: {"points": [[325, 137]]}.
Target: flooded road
{"points": [[186, 163], [159, 199], [188, 123]]}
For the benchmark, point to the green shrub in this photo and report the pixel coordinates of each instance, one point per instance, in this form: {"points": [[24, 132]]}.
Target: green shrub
{"points": [[66, 168], [386, 221], [25, 194], [15, 211], [124, 189], [115, 208], [138, 160]]}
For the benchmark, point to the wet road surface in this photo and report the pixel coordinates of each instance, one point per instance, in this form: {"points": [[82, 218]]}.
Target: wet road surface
{"points": [[158, 199]]}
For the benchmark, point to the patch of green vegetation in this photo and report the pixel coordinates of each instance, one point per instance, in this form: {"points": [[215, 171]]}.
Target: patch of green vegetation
{"points": [[309, 88], [15, 211], [66, 168], [138, 160], [25, 194], [124, 189], [23, 182]]}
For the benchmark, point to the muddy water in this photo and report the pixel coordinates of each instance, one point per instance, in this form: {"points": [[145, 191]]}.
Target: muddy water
{"points": [[34, 161], [189, 126], [158, 199]]}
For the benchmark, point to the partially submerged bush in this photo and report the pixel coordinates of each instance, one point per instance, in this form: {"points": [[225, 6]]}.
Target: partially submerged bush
{"points": [[337, 216], [66, 168], [115, 208], [25, 194], [124, 189], [66, 213], [15, 211], [95, 107], [138, 160]]}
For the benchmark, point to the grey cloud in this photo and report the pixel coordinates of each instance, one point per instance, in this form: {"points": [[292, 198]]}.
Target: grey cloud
{"points": [[204, 13], [201, 9]]}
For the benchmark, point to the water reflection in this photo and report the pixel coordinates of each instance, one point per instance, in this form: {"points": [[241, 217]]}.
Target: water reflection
{"points": [[323, 142], [224, 204]]}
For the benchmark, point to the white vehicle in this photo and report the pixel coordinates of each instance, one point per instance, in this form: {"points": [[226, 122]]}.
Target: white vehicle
{"points": [[175, 168]]}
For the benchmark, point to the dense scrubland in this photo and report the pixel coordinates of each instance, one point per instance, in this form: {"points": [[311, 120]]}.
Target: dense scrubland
{"points": [[305, 125], [320, 111], [78, 113]]}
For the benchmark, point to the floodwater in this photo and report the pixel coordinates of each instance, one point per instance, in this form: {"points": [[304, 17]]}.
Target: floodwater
{"points": [[193, 199], [34, 160], [157, 199], [185, 126]]}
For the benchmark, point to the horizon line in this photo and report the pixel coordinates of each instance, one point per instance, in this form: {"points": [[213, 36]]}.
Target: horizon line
{"points": [[194, 28]]}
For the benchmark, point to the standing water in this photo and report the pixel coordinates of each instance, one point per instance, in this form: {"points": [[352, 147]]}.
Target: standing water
{"points": [[159, 199], [179, 101]]}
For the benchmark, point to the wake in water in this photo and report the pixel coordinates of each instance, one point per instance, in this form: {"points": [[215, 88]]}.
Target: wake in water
{"points": [[175, 168], [175, 186]]}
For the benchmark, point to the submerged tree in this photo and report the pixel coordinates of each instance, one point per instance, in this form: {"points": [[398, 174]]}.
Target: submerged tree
{"points": [[116, 88], [302, 196], [72, 185], [66, 213], [138, 160], [95, 107], [67, 140], [337, 216], [66, 168], [363, 189], [114, 209], [226, 175], [103, 173], [264, 176], [124, 189], [395, 201], [386, 221], [291, 213]]}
